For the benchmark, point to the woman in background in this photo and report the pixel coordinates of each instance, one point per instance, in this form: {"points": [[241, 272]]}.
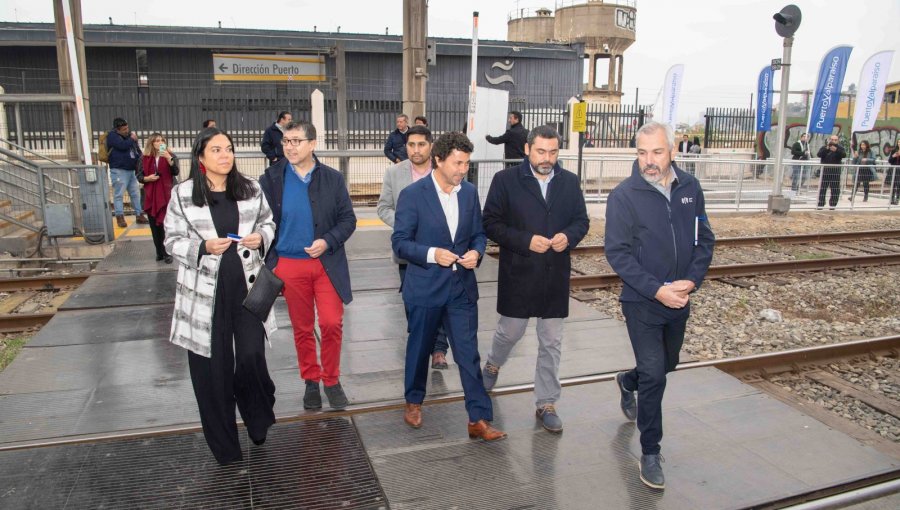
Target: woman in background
{"points": [[218, 228], [864, 174], [157, 170]]}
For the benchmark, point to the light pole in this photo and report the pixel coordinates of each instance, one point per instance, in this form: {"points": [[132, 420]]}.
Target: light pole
{"points": [[786, 23]]}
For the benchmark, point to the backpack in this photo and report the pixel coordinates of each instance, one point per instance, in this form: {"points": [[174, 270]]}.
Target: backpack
{"points": [[102, 149]]}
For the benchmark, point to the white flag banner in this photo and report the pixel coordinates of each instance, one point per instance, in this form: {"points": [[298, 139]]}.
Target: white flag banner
{"points": [[870, 93], [671, 93]]}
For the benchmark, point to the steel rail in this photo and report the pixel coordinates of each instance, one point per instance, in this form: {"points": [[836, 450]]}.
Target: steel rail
{"points": [[822, 237], [605, 280], [819, 354], [15, 322], [42, 282]]}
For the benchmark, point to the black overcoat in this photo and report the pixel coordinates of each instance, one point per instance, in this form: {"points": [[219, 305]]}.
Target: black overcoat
{"points": [[534, 284]]}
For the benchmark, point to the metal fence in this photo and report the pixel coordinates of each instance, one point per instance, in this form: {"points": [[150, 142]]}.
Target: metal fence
{"points": [[729, 128], [612, 125], [745, 184], [733, 182]]}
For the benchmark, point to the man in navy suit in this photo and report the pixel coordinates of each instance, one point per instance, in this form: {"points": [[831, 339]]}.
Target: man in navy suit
{"points": [[438, 230]]}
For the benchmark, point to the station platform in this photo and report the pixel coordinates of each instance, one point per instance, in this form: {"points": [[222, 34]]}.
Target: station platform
{"points": [[103, 367]]}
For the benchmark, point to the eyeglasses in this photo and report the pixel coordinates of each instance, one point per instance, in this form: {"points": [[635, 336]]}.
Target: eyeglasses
{"points": [[294, 141]]}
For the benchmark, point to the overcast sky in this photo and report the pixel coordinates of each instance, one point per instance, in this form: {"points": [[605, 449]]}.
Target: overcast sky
{"points": [[723, 44]]}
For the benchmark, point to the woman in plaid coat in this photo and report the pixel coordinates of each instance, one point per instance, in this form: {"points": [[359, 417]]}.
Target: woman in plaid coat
{"points": [[226, 353]]}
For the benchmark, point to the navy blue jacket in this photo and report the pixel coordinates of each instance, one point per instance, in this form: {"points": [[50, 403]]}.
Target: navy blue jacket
{"points": [[395, 146], [271, 144], [333, 219], [650, 240], [420, 224], [534, 284], [124, 153]]}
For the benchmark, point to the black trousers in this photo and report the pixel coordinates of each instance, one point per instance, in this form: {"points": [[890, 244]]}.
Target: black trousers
{"points": [[656, 340], [895, 185], [236, 373], [159, 236], [831, 179]]}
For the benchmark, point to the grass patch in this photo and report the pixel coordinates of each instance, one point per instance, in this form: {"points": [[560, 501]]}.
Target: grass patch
{"points": [[816, 255], [9, 349]]}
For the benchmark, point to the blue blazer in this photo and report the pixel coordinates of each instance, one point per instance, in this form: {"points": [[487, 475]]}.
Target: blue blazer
{"points": [[419, 224]]}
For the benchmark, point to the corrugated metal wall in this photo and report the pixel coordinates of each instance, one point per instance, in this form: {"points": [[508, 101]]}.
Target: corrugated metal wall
{"points": [[180, 91]]}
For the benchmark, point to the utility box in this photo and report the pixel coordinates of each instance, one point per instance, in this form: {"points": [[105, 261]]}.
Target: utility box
{"points": [[96, 217], [59, 220]]}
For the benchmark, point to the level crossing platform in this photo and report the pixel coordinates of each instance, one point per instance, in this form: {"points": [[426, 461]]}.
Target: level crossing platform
{"points": [[98, 411]]}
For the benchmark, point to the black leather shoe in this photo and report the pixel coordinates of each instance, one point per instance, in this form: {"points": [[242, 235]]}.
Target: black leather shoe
{"points": [[628, 403], [336, 398], [312, 399], [168, 259]]}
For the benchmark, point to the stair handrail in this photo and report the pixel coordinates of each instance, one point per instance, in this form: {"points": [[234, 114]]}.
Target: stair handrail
{"points": [[32, 167], [25, 149]]}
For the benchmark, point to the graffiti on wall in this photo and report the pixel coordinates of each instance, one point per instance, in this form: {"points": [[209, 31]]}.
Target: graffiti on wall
{"points": [[883, 137]]}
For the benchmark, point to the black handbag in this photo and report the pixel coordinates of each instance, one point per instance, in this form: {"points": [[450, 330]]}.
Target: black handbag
{"points": [[266, 287], [263, 293]]}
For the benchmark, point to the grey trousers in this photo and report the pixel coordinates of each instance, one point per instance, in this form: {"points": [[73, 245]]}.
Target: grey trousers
{"points": [[546, 373]]}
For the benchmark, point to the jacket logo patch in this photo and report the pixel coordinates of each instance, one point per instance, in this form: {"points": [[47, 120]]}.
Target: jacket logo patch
{"points": [[687, 200]]}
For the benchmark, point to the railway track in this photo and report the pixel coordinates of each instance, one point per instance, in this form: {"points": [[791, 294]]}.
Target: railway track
{"points": [[606, 280], [28, 295], [831, 237]]}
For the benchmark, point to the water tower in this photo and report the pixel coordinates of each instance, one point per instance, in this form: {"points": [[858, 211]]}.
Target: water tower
{"points": [[605, 27]]}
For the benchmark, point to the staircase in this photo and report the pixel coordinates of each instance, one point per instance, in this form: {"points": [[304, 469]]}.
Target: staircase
{"points": [[23, 195], [14, 238]]}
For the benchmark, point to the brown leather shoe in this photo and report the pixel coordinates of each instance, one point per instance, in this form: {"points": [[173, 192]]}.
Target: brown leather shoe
{"points": [[120, 221], [142, 218], [482, 429], [413, 415]]}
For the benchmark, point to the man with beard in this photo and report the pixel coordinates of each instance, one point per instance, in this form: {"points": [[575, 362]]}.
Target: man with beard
{"points": [[659, 242], [536, 213], [397, 177]]}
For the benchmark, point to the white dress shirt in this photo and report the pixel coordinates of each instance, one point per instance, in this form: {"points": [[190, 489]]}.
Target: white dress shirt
{"points": [[450, 205]]}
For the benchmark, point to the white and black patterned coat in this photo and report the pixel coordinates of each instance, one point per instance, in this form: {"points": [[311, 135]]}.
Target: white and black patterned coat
{"points": [[187, 226]]}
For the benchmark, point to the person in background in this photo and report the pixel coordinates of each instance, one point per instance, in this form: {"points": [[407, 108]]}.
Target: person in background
{"points": [[658, 240], [271, 140], [831, 154], [694, 151], [684, 147], [225, 342], [124, 155], [864, 174], [314, 215], [157, 170], [421, 121], [894, 171], [208, 123], [513, 140], [799, 152], [396, 178], [395, 145]]}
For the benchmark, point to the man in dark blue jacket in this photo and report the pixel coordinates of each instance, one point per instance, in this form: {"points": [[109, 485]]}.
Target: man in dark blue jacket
{"points": [[438, 231], [271, 140], [124, 154], [314, 217], [659, 242], [395, 145]]}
